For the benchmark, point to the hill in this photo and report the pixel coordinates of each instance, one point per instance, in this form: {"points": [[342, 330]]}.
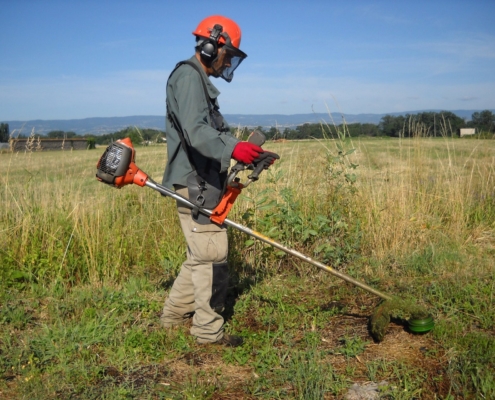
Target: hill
{"points": [[102, 125]]}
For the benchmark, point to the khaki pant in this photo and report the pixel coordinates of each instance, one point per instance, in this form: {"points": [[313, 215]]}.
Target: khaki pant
{"points": [[201, 285]]}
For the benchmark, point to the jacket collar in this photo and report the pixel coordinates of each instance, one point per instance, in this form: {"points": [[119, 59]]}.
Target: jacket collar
{"points": [[213, 92]]}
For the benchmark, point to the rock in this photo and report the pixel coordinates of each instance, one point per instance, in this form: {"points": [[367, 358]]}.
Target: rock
{"points": [[365, 391]]}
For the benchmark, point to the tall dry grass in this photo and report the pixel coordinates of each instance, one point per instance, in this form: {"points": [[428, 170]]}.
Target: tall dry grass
{"points": [[418, 191], [58, 222]]}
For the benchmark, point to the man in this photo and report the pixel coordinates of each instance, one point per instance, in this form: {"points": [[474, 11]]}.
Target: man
{"points": [[199, 144]]}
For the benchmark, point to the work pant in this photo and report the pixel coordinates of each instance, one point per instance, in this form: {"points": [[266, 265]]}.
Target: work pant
{"points": [[201, 286]]}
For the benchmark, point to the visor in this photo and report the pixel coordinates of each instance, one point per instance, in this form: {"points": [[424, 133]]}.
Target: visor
{"points": [[230, 61]]}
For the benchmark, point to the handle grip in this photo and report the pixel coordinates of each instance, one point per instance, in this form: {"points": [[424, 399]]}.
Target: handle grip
{"points": [[255, 137], [264, 160]]}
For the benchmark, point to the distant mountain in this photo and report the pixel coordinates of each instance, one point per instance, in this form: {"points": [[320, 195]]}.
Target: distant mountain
{"points": [[281, 120], [95, 126], [102, 125]]}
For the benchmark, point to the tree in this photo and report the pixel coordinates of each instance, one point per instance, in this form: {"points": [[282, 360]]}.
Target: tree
{"points": [[306, 131], [484, 121], [273, 133], [90, 143], [448, 123], [358, 129], [444, 123], [4, 132], [286, 133], [392, 126], [133, 134]]}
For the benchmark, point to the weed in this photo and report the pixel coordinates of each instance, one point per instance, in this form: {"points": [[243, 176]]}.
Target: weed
{"points": [[311, 377], [327, 236], [351, 346]]}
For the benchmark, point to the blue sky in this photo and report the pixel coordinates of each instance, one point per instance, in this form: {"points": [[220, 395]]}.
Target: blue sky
{"points": [[79, 59]]}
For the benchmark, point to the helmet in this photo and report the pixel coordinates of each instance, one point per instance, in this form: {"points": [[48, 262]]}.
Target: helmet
{"points": [[205, 28], [217, 32]]}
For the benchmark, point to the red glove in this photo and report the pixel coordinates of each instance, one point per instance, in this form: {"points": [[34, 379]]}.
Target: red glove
{"points": [[246, 152]]}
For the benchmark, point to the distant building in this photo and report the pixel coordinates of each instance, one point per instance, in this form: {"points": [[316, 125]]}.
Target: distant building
{"points": [[37, 144], [468, 131]]}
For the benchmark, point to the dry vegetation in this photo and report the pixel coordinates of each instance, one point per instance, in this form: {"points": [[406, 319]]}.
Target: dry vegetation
{"points": [[85, 268]]}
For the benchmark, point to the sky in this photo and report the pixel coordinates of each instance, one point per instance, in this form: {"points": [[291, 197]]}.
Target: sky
{"points": [[79, 59]]}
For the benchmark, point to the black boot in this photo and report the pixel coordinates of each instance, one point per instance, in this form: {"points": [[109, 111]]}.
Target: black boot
{"points": [[227, 340], [230, 341]]}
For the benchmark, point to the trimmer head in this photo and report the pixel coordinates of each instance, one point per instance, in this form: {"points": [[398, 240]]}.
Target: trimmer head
{"points": [[421, 325], [418, 319]]}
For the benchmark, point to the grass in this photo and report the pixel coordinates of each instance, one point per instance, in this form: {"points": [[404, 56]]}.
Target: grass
{"points": [[85, 268]]}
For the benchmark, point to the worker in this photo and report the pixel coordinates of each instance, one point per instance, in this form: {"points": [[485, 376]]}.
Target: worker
{"points": [[200, 147]]}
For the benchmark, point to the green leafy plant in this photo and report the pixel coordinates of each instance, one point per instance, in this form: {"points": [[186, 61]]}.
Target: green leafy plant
{"points": [[352, 346]]}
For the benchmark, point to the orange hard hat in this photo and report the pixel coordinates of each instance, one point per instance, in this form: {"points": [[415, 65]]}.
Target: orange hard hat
{"points": [[205, 28]]}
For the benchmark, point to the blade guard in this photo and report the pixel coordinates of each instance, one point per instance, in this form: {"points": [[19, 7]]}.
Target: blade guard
{"points": [[116, 166]]}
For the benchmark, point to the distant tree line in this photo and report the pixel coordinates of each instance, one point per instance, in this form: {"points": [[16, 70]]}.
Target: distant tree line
{"points": [[444, 123], [483, 121], [54, 135], [432, 124], [138, 136]]}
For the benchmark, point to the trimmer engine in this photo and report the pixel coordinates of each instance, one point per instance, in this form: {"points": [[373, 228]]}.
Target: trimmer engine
{"points": [[116, 166]]}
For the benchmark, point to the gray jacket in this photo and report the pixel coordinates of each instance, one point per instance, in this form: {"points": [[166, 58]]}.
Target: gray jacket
{"points": [[209, 147]]}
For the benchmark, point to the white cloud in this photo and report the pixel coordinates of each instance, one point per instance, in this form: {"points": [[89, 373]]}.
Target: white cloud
{"points": [[461, 45], [377, 13]]}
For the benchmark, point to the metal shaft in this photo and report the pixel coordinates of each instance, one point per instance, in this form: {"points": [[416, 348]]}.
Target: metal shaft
{"points": [[263, 238]]}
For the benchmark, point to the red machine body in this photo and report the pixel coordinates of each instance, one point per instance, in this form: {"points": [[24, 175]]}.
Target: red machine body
{"points": [[117, 166]]}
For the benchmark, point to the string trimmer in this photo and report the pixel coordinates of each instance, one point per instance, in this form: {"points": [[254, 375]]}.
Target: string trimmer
{"points": [[117, 167]]}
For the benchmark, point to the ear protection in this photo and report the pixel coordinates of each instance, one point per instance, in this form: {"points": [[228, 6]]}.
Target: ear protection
{"points": [[208, 50]]}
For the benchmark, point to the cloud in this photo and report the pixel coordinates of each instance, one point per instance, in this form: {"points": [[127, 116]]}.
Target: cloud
{"points": [[463, 45], [379, 14]]}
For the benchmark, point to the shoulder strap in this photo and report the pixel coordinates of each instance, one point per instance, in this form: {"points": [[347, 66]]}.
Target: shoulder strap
{"points": [[172, 117]]}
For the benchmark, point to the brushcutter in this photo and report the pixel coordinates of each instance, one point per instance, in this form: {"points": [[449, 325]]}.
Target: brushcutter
{"points": [[117, 168]]}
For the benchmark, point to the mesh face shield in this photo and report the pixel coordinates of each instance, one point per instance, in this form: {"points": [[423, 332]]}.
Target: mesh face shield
{"points": [[228, 59]]}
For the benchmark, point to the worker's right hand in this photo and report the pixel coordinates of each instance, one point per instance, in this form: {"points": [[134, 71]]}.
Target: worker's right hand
{"points": [[246, 152]]}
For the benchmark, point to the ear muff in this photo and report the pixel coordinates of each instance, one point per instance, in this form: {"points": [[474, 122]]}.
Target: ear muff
{"points": [[208, 50]]}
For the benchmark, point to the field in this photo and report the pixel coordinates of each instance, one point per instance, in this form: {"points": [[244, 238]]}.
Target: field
{"points": [[85, 268]]}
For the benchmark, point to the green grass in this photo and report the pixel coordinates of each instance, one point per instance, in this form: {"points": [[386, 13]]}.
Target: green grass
{"points": [[85, 268]]}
